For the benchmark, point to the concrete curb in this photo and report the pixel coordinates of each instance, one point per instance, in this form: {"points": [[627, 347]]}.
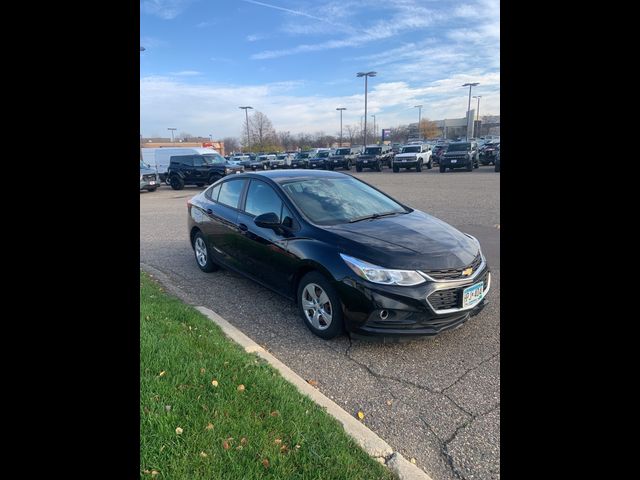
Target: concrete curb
{"points": [[366, 438]]}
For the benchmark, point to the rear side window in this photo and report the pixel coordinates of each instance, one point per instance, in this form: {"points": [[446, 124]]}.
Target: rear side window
{"points": [[186, 160], [230, 192], [212, 193]]}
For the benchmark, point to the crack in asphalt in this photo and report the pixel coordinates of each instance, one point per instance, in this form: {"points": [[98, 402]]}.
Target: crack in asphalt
{"points": [[469, 371]]}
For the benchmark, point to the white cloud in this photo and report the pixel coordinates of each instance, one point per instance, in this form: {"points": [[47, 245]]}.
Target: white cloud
{"points": [[167, 9], [186, 73], [204, 109]]}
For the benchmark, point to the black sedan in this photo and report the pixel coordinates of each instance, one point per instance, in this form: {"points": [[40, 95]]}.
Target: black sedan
{"points": [[350, 256]]}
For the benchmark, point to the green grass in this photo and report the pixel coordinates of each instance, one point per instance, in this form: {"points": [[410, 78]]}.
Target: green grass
{"points": [[270, 420]]}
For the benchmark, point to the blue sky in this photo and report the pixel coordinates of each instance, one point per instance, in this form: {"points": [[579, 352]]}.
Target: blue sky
{"points": [[296, 61]]}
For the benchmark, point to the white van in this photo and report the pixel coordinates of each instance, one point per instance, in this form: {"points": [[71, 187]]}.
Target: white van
{"points": [[158, 158]]}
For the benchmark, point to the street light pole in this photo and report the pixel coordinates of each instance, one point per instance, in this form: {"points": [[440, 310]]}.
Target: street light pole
{"points": [[469, 106], [246, 114], [375, 133], [341, 109], [419, 107], [366, 75], [172, 130], [478, 110]]}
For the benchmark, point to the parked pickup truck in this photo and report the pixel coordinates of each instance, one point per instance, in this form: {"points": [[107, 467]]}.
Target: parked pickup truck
{"points": [[413, 156], [374, 157]]}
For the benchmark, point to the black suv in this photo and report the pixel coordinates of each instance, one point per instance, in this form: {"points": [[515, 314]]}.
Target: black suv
{"points": [[198, 169], [319, 160], [375, 157], [342, 157], [301, 160], [488, 153], [460, 155]]}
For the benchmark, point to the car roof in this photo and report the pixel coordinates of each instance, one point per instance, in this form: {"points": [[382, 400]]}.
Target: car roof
{"points": [[281, 176]]}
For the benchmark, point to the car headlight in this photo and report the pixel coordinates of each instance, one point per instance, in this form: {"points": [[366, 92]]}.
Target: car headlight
{"points": [[384, 276], [227, 171]]}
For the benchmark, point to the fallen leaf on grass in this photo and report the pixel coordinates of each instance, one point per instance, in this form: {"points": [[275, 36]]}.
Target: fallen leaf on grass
{"points": [[154, 472], [265, 463], [226, 445], [275, 413], [243, 441], [283, 449], [360, 414], [241, 388], [297, 446], [214, 383], [179, 431], [277, 441], [209, 426], [413, 460], [313, 383], [161, 374], [202, 370], [203, 454]]}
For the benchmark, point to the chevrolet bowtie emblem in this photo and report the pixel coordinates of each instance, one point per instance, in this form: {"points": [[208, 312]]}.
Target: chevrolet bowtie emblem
{"points": [[467, 271]]}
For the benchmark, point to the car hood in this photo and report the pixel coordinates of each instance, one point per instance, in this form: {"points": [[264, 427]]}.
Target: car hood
{"points": [[413, 241], [406, 154]]}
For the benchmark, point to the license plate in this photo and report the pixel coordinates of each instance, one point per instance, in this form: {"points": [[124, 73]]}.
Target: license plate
{"points": [[454, 161], [403, 160], [365, 161], [335, 161], [472, 295]]}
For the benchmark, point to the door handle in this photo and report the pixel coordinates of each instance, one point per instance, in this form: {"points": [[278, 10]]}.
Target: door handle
{"points": [[243, 227], [209, 211]]}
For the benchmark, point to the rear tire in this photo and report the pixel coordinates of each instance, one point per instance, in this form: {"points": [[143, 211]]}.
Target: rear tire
{"points": [[443, 169], [378, 167], [203, 256], [152, 189], [176, 182], [358, 168], [199, 184], [430, 165], [348, 167], [323, 312], [419, 166], [396, 169], [214, 178], [496, 168], [469, 167]]}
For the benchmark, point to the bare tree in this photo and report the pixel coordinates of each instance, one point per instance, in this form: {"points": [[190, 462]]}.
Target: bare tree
{"points": [[429, 129], [263, 134], [231, 144], [352, 133], [399, 134]]}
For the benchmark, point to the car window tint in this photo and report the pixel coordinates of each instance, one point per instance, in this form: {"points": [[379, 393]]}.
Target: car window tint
{"points": [[198, 161], [261, 198], [212, 193], [287, 217], [230, 192]]}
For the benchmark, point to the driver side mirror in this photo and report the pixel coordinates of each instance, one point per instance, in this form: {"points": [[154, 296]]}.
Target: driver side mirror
{"points": [[267, 220]]}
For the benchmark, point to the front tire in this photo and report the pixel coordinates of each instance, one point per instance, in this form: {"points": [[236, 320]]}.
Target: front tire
{"points": [[396, 169], [443, 169], [320, 306], [348, 167], [203, 257], [430, 165], [358, 168], [419, 166], [152, 189], [176, 182], [470, 165]]}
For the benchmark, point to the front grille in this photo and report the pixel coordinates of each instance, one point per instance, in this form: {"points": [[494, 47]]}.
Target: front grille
{"points": [[453, 273], [452, 297], [149, 177]]}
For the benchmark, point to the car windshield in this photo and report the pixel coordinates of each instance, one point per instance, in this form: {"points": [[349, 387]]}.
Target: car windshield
{"points": [[342, 151], [372, 151], [143, 165], [412, 149], [322, 154], [324, 200], [303, 155], [459, 147], [211, 158]]}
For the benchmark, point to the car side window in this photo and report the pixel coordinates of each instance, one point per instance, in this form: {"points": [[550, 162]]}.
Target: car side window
{"points": [[230, 192], [261, 198], [197, 161], [212, 193], [287, 217]]}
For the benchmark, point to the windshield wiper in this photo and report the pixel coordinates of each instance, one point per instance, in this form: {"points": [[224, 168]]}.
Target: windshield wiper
{"points": [[375, 215]]}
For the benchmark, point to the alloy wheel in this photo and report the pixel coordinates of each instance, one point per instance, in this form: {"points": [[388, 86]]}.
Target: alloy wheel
{"points": [[317, 306], [201, 252]]}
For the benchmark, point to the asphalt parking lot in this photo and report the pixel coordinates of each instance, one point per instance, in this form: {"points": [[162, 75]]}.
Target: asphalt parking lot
{"points": [[435, 399]]}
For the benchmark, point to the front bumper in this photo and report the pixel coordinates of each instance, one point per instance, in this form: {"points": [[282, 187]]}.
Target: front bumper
{"points": [[394, 311], [316, 165], [405, 162], [459, 162], [146, 184]]}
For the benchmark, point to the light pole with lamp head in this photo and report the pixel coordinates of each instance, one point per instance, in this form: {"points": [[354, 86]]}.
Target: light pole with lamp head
{"points": [[419, 107], [478, 111], [469, 106], [172, 130], [366, 75], [341, 109], [247, 117]]}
